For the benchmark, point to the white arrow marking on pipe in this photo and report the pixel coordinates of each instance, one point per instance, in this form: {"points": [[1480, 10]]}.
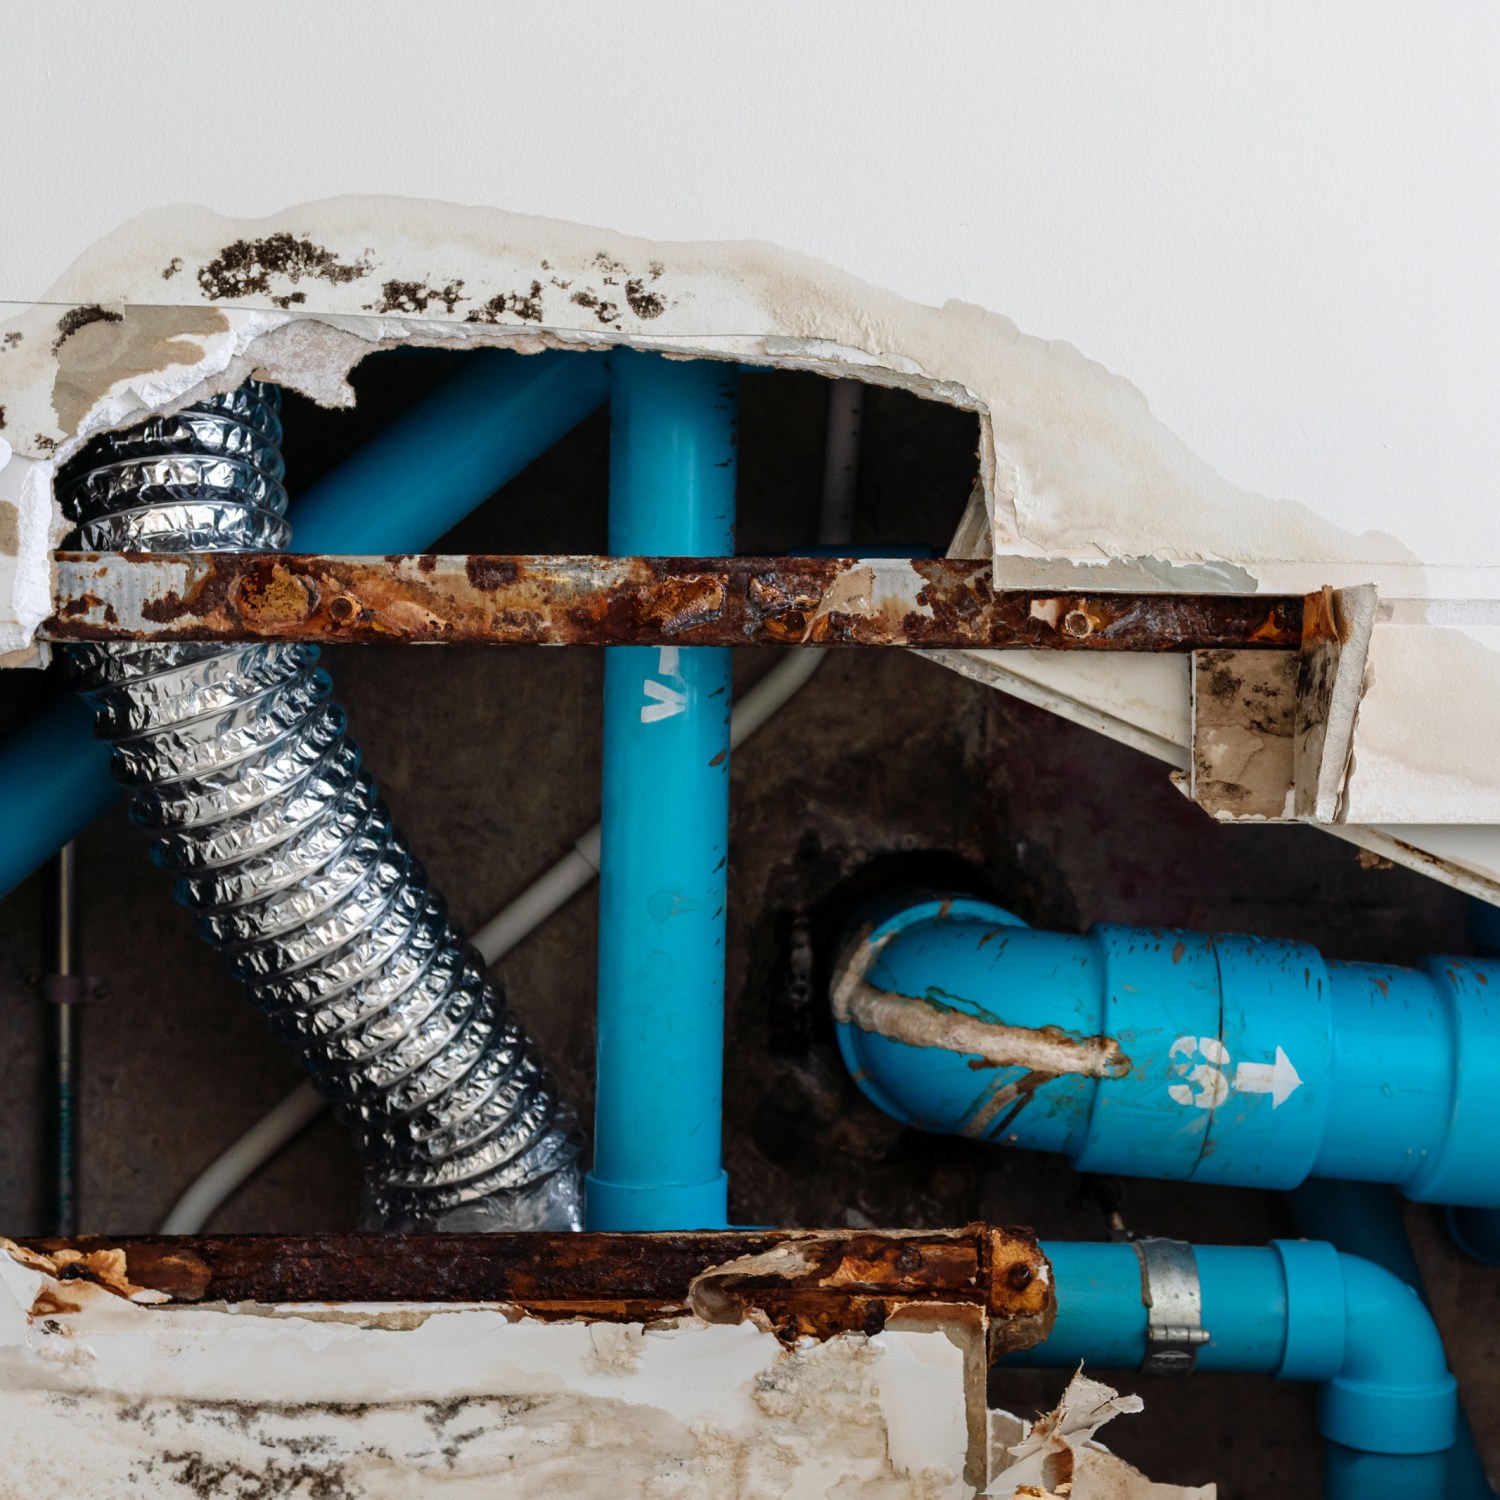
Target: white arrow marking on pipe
{"points": [[668, 701], [1278, 1079]]}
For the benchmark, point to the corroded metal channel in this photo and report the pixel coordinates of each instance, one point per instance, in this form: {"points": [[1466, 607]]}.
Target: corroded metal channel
{"points": [[804, 1283], [934, 603]]}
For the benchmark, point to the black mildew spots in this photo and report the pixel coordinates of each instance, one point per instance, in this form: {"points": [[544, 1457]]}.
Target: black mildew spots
{"points": [[247, 267], [80, 317], [415, 296], [527, 306]]}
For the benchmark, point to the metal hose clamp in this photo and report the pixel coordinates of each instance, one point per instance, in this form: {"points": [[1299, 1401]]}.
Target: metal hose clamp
{"points": [[1173, 1298]]}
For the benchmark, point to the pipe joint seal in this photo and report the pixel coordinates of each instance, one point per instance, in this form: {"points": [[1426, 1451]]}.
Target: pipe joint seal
{"points": [[1173, 1298]]}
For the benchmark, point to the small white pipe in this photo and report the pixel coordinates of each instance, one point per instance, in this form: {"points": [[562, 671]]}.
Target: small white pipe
{"points": [[578, 867], [534, 905], [243, 1159]]}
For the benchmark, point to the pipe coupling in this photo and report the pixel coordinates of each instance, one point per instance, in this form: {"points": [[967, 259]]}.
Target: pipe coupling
{"points": [[1173, 1298]]}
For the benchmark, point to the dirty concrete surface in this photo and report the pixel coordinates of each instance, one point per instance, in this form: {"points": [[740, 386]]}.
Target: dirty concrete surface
{"points": [[886, 769]]}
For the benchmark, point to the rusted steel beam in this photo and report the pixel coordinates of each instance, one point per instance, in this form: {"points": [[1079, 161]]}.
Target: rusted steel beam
{"points": [[804, 1282], [631, 601]]}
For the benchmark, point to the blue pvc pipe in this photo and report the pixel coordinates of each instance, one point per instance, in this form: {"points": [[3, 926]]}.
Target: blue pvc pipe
{"points": [[427, 470], [660, 1050], [424, 473], [1476, 1231], [1364, 1218], [1179, 1055], [1297, 1310], [54, 781]]}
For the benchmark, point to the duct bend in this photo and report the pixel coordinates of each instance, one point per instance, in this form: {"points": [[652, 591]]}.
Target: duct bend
{"points": [[241, 767], [1175, 1054], [1297, 1310]]}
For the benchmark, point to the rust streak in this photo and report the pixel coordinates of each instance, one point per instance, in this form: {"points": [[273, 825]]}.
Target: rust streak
{"points": [[941, 603], [924, 1022], [799, 1283]]}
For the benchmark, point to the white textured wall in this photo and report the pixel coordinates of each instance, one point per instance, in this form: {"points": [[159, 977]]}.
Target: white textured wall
{"points": [[1278, 220]]}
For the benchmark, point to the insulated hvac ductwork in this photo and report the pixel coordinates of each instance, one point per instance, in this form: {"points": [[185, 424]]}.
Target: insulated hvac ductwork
{"points": [[241, 767]]}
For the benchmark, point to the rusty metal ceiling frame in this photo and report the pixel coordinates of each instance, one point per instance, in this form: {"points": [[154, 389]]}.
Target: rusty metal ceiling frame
{"points": [[424, 599], [801, 1283]]}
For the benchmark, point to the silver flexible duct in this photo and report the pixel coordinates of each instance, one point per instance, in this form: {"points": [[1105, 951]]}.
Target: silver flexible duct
{"points": [[242, 769]]}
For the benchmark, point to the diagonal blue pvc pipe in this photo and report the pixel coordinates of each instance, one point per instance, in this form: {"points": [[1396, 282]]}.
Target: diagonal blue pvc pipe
{"points": [[660, 1053], [423, 474]]}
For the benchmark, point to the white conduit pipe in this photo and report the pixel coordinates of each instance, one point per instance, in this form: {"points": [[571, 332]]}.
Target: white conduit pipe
{"points": [[571, 874]]}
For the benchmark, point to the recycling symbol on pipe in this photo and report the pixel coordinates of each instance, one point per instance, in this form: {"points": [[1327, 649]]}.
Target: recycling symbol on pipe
{"points": [[1203, 1062]]}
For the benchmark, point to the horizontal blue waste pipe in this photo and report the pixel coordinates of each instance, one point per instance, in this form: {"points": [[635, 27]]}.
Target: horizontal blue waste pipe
{"points": [[423, 474], [1178, 1055], [665, 818], [1297, 1310], [1476, 1231]]}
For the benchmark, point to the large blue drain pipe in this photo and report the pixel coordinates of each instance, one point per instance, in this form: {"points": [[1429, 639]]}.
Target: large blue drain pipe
{"points": [[1177, 1054], [425, 472], [1297, 1310], [1476, 1231], [660, 1051]]}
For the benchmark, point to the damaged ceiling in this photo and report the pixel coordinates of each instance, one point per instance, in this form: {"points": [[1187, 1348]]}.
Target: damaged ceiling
{"points": [[1080, 485]]}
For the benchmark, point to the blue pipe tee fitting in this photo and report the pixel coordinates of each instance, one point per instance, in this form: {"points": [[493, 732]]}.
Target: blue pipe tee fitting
{"points": [[1177, 1054]]}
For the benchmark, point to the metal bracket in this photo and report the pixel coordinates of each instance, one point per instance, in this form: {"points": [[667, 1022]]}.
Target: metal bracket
{"points": [[1173, 1298]]}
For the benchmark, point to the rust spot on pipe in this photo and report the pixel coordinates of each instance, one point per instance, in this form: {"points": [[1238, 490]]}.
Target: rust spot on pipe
{"points": [[489, 573], [274, 598]]}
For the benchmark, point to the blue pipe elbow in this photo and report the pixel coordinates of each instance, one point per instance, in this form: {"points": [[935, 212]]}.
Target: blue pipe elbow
{"points": [[423, 474], [1297, 1310], [1176, 1054], [1393, 1392]]}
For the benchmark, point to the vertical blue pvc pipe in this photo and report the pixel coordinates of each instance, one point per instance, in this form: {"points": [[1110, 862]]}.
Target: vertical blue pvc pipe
{"points": [[657, 1124]]}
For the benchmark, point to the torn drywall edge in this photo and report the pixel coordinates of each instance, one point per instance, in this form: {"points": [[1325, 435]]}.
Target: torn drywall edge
{"points": [[842, 328], [27, 535], [1077, 469], [1058, 1456], [703, 1399], [1335, 651]]}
